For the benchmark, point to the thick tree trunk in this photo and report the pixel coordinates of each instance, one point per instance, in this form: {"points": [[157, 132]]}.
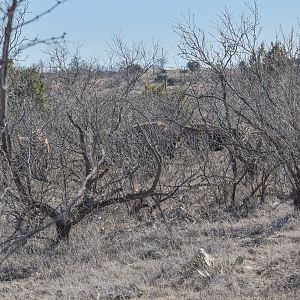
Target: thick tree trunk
{"points": [[296, 198], [296, 188], [63, 228]]}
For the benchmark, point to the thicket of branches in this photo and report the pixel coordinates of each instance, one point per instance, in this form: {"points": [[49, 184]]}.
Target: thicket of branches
{"points": [[76, 139], [252, 88]]}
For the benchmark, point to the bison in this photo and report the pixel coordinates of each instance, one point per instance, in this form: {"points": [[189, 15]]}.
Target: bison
{"points": [[156, 135], [197, 137]]}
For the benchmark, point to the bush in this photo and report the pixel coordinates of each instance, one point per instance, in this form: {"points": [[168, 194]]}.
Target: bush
{"points": [[193, 66], [28, 83], [171, 81], [161, 78], [155, 89], [134, 68]]}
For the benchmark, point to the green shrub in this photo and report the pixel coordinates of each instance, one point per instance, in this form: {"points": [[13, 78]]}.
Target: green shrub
{"points": [[193, 66], [27, 83], [171, 81], [155, 89], [134, 68]]}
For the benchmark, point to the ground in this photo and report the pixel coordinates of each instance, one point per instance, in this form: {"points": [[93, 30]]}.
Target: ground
{"points": [[255, 255]]}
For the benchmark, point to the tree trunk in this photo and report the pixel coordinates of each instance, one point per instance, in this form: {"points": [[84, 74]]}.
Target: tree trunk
{"points": [[296, 197], [4, 61], [63, 228]]}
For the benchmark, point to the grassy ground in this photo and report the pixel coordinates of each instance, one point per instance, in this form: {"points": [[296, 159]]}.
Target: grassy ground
{"points": [[255, 257]]}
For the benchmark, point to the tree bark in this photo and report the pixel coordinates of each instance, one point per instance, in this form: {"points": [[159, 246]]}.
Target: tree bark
{"points": [[4, 61]]}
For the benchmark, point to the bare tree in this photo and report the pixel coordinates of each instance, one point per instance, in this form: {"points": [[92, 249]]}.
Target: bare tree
{"points": [[19, 154], [250, 91], [107, 141], [104, 143]]}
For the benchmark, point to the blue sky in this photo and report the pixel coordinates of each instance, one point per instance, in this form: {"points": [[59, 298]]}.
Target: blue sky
{"points": [[91, 24]]}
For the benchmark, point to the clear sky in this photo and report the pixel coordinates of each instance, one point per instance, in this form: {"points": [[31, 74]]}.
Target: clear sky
{"points": [[92, 23]]}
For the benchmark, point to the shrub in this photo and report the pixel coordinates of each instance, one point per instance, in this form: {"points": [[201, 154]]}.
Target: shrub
{"points": [[171, 81], [134, 68], [28, 83], [155, 89], [161, 78], [193, 66]]}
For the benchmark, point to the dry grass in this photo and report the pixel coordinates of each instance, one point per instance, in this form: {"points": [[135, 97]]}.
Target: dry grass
{"points": [[116, 257]]}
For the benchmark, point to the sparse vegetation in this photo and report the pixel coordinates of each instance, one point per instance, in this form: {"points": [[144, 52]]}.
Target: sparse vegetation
{"points": [[193, 65], [27, 84], [171, 81], [129, 184]]}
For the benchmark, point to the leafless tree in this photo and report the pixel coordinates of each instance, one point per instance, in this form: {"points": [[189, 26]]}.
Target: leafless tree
{"points": [[21, 155], [103, 141], [250, 91]]}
